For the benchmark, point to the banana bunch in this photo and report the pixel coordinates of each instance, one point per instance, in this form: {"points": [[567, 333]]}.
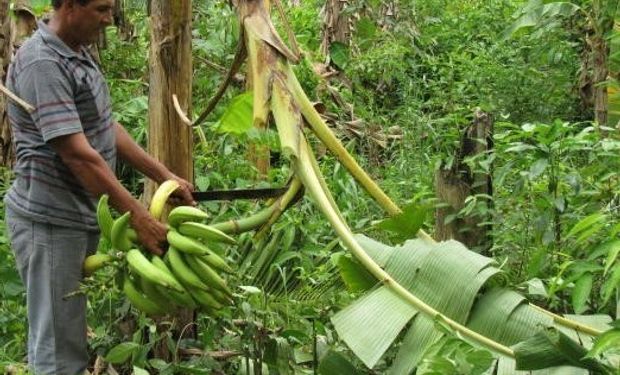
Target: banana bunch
{"points": [[189, 275]]}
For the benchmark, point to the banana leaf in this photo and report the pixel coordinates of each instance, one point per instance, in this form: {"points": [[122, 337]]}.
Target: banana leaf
{"points": [[451, 279]]}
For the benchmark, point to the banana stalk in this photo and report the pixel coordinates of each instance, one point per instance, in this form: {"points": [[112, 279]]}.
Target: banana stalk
{"points": [[275, 82], [263, 216]]}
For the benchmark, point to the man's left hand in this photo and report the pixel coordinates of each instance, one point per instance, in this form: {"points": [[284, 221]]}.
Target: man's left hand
{"points": [[183, 194]]}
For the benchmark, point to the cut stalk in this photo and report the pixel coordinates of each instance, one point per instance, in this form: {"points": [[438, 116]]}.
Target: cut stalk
{"points": [[279, 210], [261, 217], [328, 138], [311, 182]]}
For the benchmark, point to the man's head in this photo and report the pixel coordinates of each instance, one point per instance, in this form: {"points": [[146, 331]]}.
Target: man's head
{"points": [[79, 22], [57, 3]]}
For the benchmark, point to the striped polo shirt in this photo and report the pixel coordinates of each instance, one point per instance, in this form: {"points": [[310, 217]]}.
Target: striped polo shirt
{"points": [[70, 95]]}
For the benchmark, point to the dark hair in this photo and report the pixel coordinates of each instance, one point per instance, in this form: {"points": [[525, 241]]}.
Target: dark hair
{"points": [[58, 3]]}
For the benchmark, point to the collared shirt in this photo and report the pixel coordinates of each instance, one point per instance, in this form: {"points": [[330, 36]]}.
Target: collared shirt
{"points": [[71, 96]]}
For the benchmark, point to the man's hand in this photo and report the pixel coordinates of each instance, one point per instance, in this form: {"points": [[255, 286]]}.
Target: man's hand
{"points": [[151, 233], [183, 194]]}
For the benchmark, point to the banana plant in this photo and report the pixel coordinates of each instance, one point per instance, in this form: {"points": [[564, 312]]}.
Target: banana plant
{"points": [[614, 72], [402, 295], [600, 17]]}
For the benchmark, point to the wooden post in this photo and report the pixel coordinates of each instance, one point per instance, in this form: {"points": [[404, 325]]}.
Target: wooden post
{"points": [[169, 139], [454, 185]]}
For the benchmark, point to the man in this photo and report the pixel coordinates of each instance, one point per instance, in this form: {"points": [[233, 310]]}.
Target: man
{"points": [[65, 156]]}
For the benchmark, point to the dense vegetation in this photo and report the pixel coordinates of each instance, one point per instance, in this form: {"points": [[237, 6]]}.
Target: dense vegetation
{"points": [[412, 77]]}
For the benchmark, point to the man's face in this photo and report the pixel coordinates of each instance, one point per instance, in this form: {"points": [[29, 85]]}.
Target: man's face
{"points": [[88, 20]]}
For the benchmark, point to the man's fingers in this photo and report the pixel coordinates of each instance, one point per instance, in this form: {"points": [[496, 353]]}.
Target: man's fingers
{"points": [[156, 250], [182, 196]]}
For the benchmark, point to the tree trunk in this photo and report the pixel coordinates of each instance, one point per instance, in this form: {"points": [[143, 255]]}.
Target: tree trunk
{"points": [[24, 23], [124, 27], [336, 25], [170, 68], [595, 60], [454, 185], [14, 30], [604, 13], [600, 53], [7, 154]]}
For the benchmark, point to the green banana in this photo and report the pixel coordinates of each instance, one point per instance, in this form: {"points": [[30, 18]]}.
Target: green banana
{"points": [[104, 217], [207, 274], [95, 262], [138, 300], [217, 262], [139, 264], [180, 298], [221, 297], [132, 235], [191, 246], [118, 234], [204, 232], [154, 295], [182, 214], [158, 202], [205, 299], [186, 244], [182, 271]]}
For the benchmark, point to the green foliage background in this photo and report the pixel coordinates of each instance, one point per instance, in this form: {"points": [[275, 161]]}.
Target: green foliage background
{"points": [[424, 69]]}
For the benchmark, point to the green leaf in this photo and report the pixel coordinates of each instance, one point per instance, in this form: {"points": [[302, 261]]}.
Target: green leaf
{"points": [[611, 258], [549, 348], [608, 341], [379, 252], [121, 352], [139, 371], [185, 369], [446, 276], [589, 233], [339, 54], [538, 168], [611, 284], [560, 9], [249, 289], [158, 363], [372, 323], [365, 31], [237, 119], [406, 224], [535, 13], [605, 248], [505, 316], [586, 223], [581, 292], [335, 363], [277, 353], [355, 276]]}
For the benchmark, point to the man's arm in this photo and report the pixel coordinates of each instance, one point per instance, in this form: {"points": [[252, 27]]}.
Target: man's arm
{"points": [[97, 178], [132, 153]]}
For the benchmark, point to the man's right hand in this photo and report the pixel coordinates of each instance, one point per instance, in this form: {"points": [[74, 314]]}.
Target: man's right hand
{"points": [[151, 233]]}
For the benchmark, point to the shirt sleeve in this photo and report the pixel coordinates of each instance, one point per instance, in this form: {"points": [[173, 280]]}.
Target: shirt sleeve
{"points": [[47, 86]]}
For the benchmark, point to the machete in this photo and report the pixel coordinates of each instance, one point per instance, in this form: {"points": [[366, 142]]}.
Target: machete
{"points": [[229, 195]]}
